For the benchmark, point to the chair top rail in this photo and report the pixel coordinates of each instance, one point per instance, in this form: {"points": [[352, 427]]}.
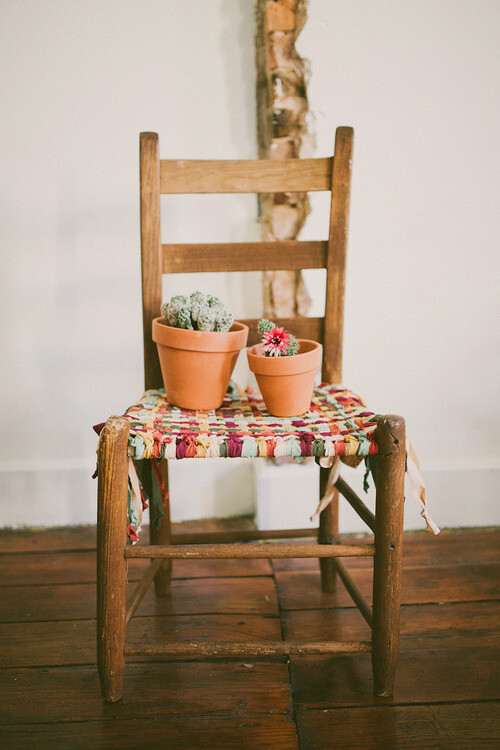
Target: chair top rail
{"points": [[245, 176]]}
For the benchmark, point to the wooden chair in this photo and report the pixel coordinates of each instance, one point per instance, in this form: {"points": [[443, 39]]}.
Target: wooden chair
{"points": [[113, 610]]}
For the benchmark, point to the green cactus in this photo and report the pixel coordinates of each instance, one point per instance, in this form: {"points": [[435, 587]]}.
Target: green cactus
{"points": [[264, 325], [198, 296], [293, 345], [198, 312], [170, 310], [184, 319], [206, 320], [224, 321]]}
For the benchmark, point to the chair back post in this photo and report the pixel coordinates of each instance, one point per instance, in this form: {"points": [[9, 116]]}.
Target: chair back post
{"points": [[150, 253], [180, 176], [336, 256]]}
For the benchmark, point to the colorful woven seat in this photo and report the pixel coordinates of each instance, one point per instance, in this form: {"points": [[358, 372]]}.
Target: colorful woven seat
{"points": [[337, 424]]}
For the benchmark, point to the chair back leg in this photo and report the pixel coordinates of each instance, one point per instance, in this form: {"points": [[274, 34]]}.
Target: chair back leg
{"points": [[111, 561], [387, 565], [161, 535], [328, 532]]}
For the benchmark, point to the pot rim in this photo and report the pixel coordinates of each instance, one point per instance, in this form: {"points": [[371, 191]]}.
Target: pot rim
{"points": [[290, 365], [208, 341]]}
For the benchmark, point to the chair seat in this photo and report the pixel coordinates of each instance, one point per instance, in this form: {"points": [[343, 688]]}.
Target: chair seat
{"points": [[337, 424]]}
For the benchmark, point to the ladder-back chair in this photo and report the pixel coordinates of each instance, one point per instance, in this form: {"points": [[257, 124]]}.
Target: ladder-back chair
{"points": [[113, 610]]}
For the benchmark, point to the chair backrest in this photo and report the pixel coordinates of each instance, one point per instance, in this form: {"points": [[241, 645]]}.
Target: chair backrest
{"points": [[160, 176]]}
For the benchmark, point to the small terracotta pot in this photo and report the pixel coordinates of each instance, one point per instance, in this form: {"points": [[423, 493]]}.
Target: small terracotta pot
{"points": [[197, 365], [286, 383]]}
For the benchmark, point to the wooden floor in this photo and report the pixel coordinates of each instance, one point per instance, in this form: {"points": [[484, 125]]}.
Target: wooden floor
{"points": [[448, 686]]}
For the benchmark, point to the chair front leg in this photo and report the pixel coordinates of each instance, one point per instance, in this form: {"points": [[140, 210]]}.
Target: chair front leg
{"points": [[387, 567], [111, 563], [328, 532]]}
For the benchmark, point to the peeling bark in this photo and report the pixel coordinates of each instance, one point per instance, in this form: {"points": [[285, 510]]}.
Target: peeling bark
{"points": [[282, 131]]}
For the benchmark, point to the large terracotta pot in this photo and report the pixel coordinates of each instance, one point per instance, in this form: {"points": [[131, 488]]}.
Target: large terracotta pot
{"points": [[286, 383], [197, 365]]}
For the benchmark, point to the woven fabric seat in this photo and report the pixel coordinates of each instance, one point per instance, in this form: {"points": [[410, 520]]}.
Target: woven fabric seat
{"points": [[337, 424]]}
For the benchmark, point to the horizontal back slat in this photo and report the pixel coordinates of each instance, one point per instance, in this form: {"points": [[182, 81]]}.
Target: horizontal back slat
{"points": [[257, 176], [302, 328], [244, 256]]}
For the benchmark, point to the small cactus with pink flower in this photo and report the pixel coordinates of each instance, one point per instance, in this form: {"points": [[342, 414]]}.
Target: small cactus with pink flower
{"points": [[276, 341]]}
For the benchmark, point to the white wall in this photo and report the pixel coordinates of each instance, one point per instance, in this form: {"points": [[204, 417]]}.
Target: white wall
{"points": [[80, 80], [417, 80]]}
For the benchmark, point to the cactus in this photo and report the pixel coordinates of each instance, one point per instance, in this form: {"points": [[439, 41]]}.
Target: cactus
{"points": [[206, 320], [198, 312], [276, 341], [224, 321], [265, 325], [170, 310], [184, 319]]}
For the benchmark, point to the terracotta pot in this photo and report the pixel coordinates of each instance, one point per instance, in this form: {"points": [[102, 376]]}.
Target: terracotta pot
{"points": [[286, 383], [197, 365]]}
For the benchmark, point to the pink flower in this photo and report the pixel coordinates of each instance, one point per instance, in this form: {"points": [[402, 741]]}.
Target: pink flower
{"points": [[275, 342]]}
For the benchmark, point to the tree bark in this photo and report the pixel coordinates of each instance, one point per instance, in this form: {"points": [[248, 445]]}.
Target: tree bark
{"points": [[282, 130]]}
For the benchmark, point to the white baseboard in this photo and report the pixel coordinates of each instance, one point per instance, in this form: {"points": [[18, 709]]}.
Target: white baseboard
{"points": [[282, 496], [37, 496]]}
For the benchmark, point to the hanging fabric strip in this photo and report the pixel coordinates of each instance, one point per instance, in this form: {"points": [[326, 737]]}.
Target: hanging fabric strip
{"points": [[330, 488], [135, 497], [415, 478], [418, 487]]}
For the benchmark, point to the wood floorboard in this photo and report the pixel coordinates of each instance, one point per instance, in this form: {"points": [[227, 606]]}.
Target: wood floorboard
{"points": [[150, 690], [190, 596], [80, 567], [421, 584], [67, 538], [420, 548], [462, 726], [209, 595], [56, 643], [71, 642], [427, 626], [423, 676], [265, 732], [448, 684]]}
